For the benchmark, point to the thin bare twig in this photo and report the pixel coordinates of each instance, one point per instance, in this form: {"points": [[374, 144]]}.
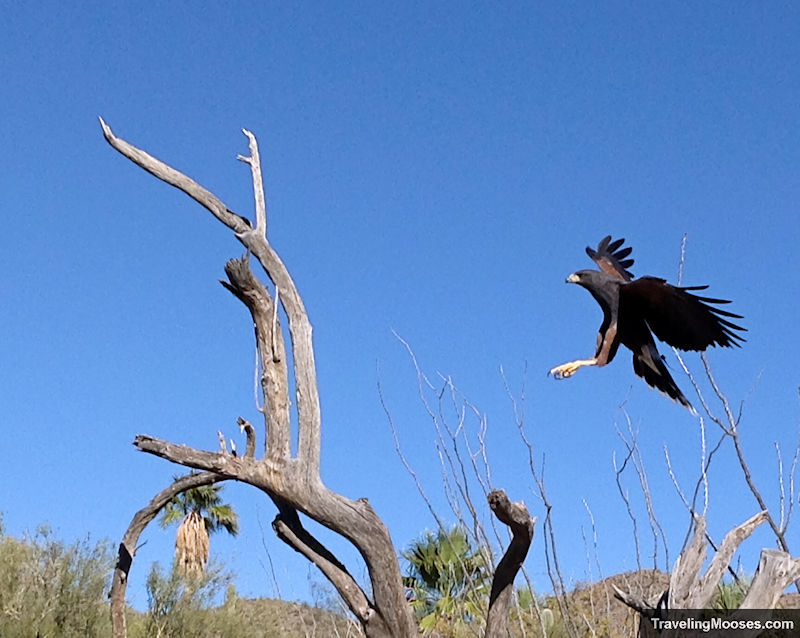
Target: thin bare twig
{"points": [[730, 428], [733, 424], [618, 470], [399, 450]]}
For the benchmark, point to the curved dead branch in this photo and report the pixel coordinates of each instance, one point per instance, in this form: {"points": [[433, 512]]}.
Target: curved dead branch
{"points": [[127, 548], [290, 530], [519, 521]]}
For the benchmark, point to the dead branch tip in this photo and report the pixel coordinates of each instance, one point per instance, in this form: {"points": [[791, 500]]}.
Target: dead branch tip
{"points": [[107, 132]]}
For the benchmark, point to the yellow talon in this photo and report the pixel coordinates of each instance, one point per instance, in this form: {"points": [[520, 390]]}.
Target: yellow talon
{"points": [[566, 370]]}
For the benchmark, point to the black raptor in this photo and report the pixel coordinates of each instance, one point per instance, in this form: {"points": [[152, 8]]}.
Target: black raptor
{"points": [[636, 309]]}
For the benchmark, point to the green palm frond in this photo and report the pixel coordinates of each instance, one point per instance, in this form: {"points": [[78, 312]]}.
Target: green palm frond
{"points": [[173, 512], [208, 502], [447, 579], [200, 512], [222, 516]]}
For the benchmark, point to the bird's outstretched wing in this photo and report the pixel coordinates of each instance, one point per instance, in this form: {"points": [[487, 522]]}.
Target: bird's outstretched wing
{"points": [[611, 258], [678, 317], [648, 364]]}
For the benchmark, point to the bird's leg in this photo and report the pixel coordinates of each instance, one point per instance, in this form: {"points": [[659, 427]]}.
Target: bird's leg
{"points": [[607, 344], [566, 370]]}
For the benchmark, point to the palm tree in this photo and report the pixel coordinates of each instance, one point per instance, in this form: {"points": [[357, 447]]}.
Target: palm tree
{"points": [[201, 512], [447, 581]]}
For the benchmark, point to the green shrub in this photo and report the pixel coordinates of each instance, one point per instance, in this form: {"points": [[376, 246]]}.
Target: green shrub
{"points": [[49, 588]]}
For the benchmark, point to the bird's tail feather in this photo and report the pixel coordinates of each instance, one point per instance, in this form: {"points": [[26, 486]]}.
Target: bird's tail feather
{"points": [[648, 364]]}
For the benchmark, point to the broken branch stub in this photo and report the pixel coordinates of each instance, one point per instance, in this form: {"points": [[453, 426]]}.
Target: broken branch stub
{"points": [[272, 354]]}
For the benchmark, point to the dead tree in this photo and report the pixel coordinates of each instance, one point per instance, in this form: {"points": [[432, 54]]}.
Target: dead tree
{"points": [[689, 590], [293, 481]]}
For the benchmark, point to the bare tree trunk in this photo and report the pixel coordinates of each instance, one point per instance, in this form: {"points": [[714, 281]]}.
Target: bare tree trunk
{"points": [[293, 482], [516, 516]]}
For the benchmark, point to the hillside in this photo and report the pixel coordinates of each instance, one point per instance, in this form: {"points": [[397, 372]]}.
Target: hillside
{"points": [[251, 618]]}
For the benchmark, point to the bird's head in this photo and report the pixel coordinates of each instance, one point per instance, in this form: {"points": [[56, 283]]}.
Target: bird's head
{"points": [[604, 288], [583, 277]]}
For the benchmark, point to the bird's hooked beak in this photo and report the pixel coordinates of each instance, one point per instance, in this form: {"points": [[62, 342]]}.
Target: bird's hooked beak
{"points": [[573, 279]]}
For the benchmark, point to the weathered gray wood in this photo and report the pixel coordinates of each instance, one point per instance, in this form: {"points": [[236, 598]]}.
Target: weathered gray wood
{"points": [[177, 179], [290, 530], [683, 578], [250, 448], [293, 482], [776, 570], [706, 589], [635, 603], [272, 353], [687, 590]]}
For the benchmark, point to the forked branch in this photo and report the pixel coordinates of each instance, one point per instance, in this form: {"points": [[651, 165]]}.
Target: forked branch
{"points": [[255, 240], [687, 590]]}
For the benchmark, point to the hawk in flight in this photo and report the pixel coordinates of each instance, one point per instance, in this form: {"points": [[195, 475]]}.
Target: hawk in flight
{"points": [[636, 309]]}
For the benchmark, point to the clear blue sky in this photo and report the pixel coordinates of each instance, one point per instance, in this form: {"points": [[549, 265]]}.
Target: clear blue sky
{"points": [[432, 168]]}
